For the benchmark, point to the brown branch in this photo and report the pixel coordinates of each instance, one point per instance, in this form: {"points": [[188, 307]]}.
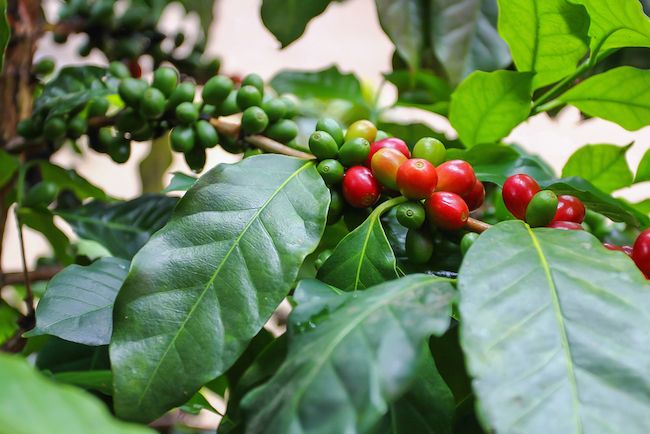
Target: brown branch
{"points": [[477, 226], [29, 295], [38, 275]]}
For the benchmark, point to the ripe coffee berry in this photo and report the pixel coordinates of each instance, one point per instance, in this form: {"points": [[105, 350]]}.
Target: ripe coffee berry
{"points": [[572, 226], [641, 252], [363, 128], [416, 178], [541, 209], [385, 164], [390, 142], [518, 191], [569, 209], [360, 188], [456, 176], [447, 210], [475, 198]]}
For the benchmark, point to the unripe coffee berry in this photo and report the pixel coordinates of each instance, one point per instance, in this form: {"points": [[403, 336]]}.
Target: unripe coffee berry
{"points": [[518, 191], [254, 120], [363, 128], [541, 209], [456, 176], [475, 198], [447, 210], [336, 206], [354, 152], [385, 164], [467, 241], [418, 246], [411, 215], [569, 209], [331, 171], [216, 90], [323, 145], [416, 178], [360, 188], [331, 127], [430, 149], [390, 142]]}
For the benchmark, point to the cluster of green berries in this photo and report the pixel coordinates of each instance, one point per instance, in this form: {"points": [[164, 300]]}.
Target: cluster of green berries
{"points": [[526, 201], [366, 164], [128, 35]]}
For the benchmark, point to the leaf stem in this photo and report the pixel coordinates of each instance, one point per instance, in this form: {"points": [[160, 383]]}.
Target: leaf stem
{"points": [[29, 295], [560, 87]]}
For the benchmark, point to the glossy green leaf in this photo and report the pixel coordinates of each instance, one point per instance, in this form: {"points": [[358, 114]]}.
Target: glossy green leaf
{"points": [[101, 381], [8, 166], [426, 408], [78, 303], [643, 171], [487, 106], [350, 359], [598, 201], [5, 32], [180, 182], [122, 227], [363, 258], [554, 332], [58, 355], [422, 90], [328, 83], [602, 165], [207, 282], [68, 179], [494, 163], [402, 21], [30, 403], [8, 321], [643, 206], [288, 20], [71, 89], [620, 95], [547, 37], [616, 24], [43, 222], [464, 37]]}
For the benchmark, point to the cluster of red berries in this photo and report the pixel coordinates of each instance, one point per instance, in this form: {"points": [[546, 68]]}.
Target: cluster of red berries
{"points": [[527, 201]]}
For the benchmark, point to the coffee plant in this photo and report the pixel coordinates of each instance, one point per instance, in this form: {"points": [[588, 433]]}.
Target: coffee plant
{"points": [[436, 284]]}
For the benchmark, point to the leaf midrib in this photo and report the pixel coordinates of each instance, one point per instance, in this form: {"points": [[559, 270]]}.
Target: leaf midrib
{"points": [[214, 276], [564, 339]]}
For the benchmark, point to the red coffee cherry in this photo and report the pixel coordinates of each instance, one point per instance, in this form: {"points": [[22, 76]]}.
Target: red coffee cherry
{"points": [[569, 209], [572, 226], [641, 252], [447, 210], [475, 198], [518, 190], [360, 188], [385, 164], [456, 176], [628, 250], [416, 178], [390, 142]]}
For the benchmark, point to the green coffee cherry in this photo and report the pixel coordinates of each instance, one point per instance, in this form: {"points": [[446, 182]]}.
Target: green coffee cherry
{"points": [[467, 241], [54, 128], [187, 113], [275, 109], [217, 89], [323, 145], [97, 107], [322, 257], [206, 134], [119, 150], [195, 158], [337, 203], [142, 134], [153, 103], [430, 149], [44, 66], [283, 131], [248, 96], [231, 144], [182, 138], [41, 195], [100, 11], [132, 90], [419, 246], [129, 120], [291, 108], [165, 79], [184, 92], [119, 70], [105, 138], [255, 81], [254, 120], [411, 215], [331, 171], [331, 127], [28, 128], [541, 209], [354, 152], [381, 134], [76, 127], [229, 105], [362, 128]]}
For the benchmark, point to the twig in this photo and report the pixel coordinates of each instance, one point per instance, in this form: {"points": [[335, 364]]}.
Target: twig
{"points": [[38, 275], [477, 226], [29, 295]]}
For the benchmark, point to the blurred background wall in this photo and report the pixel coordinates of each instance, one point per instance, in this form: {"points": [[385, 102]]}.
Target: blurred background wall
{"points": [[346, 34]]}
